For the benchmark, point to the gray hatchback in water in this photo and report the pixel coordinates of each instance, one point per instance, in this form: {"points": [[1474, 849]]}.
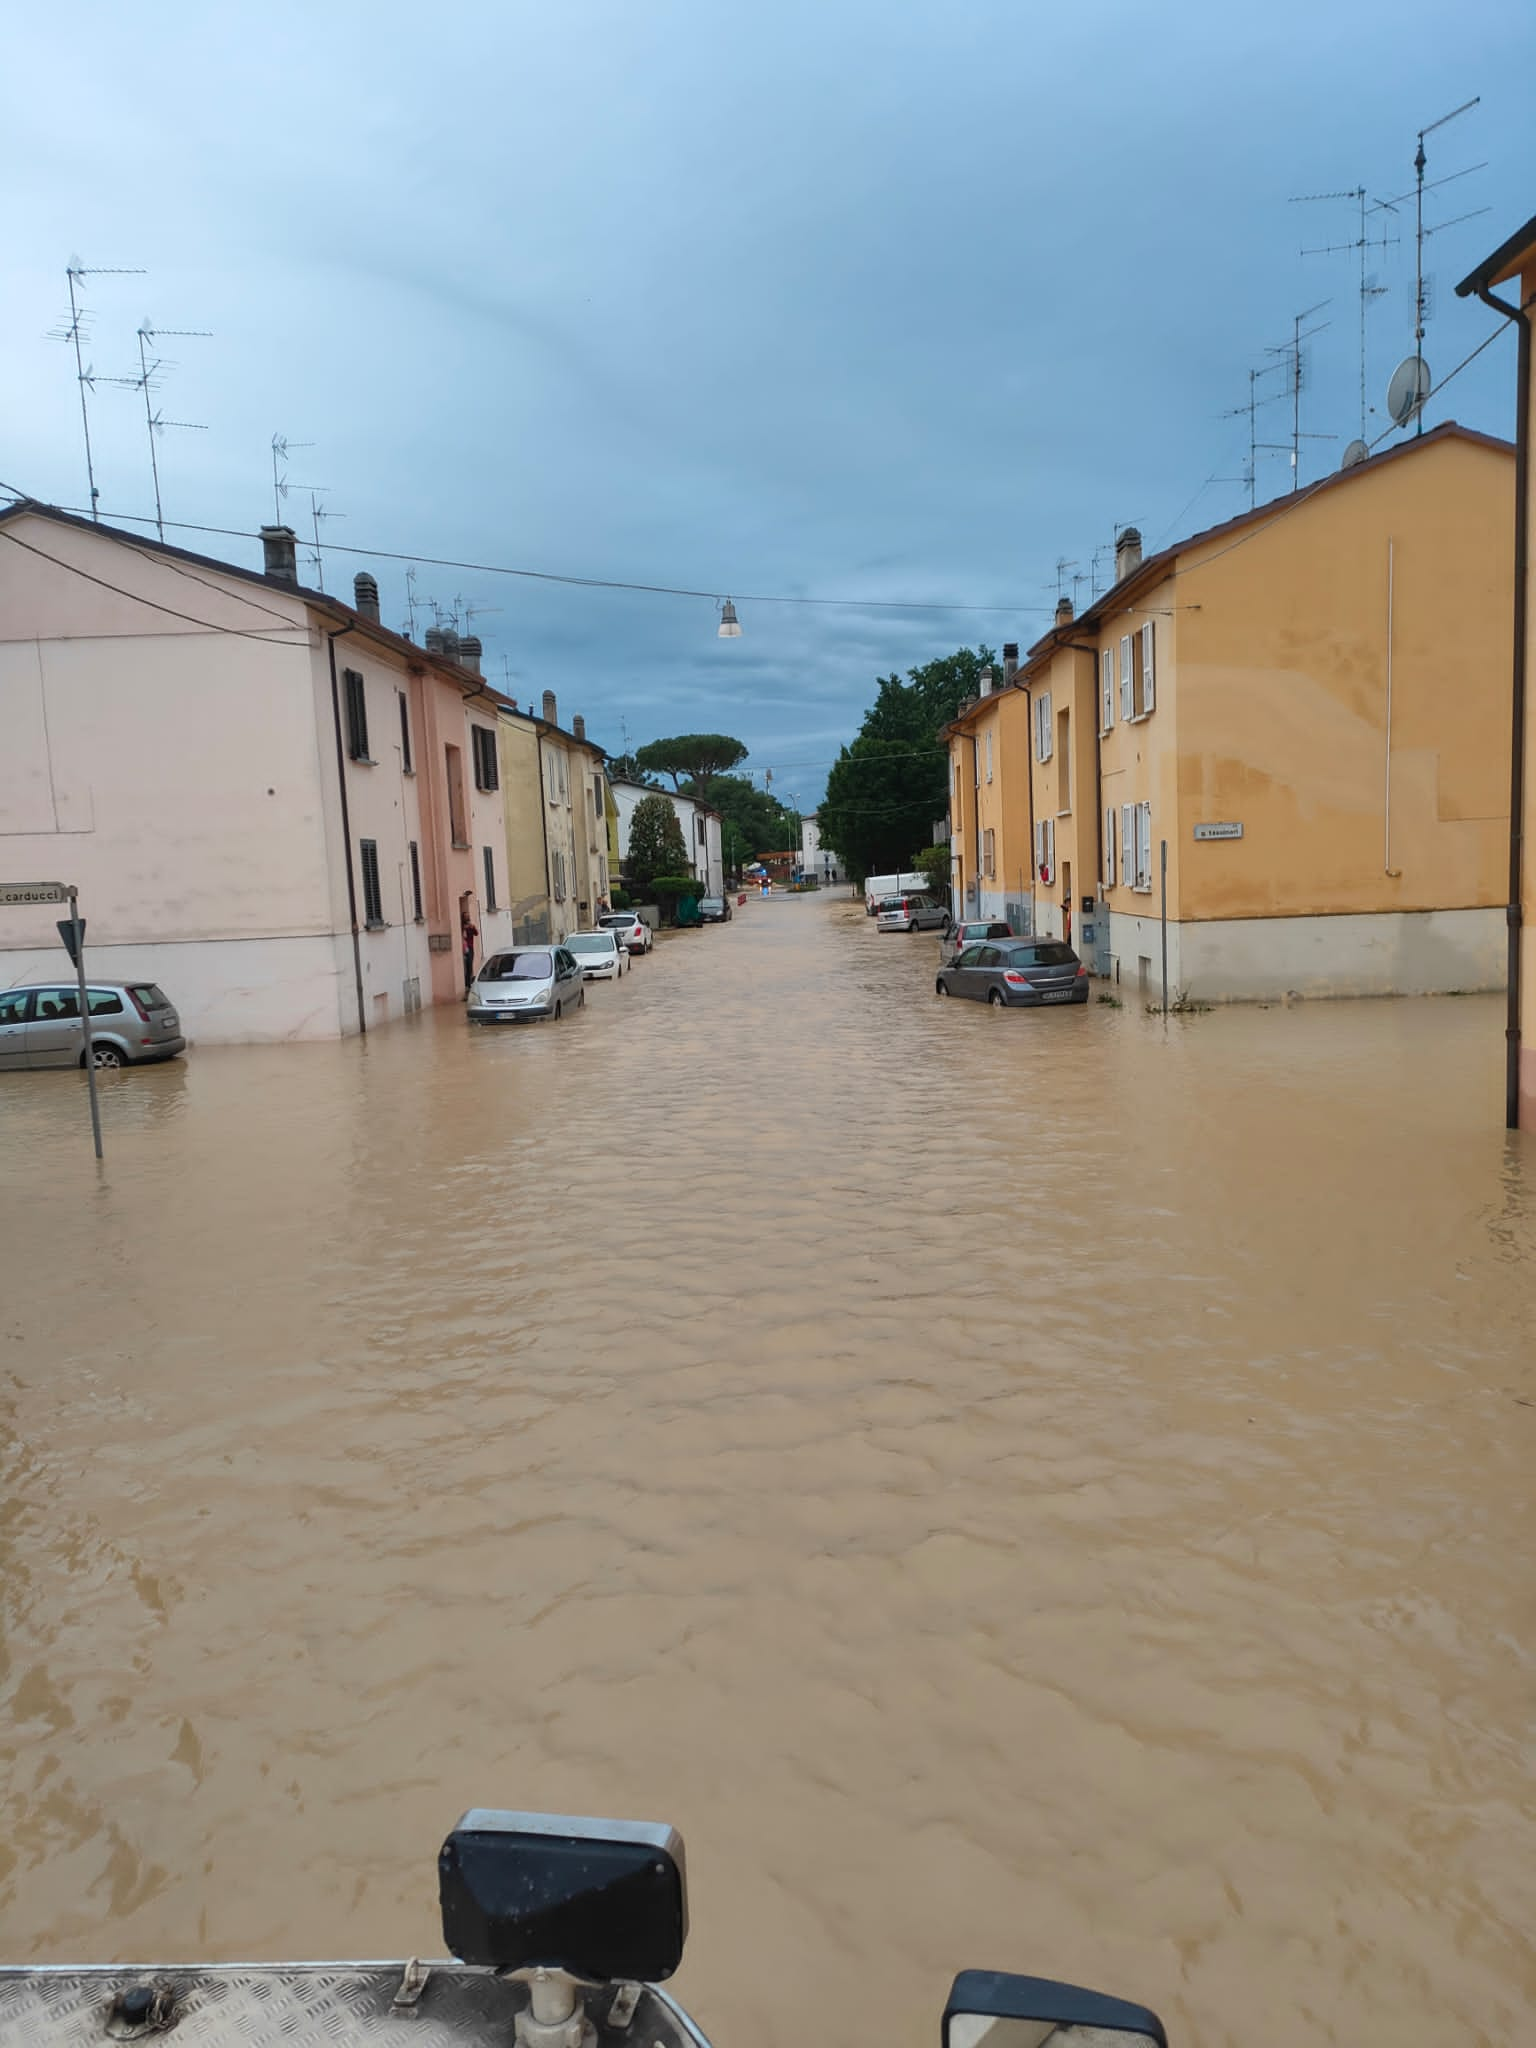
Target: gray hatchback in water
{"points": [[1027, 972], [131, 1022]]}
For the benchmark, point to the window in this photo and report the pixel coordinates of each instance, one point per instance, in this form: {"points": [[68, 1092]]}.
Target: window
{"points": [[1127, 698], [405, 734], [1128, 845], [989, 754], [557, 861], [565, 787], [1106, 690], [490, 877], [357, 715], [1064, 760], [373, 900], [1043, 726], [1045, 848], [483, 741], [13, 1006], [56, 1003], [1143, 846], [1148, 681], [989, 853], [457, 829], [104, 1002], [698, 826], [1109, 845], [416, 883], [957, 780]]}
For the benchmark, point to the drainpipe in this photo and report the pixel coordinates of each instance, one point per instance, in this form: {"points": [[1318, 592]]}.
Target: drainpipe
{"points": [[346, 823], [976, 808], [1029, 757], [549, 890], [1521, 316]]}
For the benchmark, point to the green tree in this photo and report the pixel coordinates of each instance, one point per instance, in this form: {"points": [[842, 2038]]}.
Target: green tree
{"points": [[625, 768], [701, 756], [656, 843], [752, 822]]}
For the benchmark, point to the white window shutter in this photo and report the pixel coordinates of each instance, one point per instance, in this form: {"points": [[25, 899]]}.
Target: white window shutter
{"points": [[1050, 831], [1127, 700], [1109, 845], [989, 755], [1144, 846], [1148, 681], [1039, 846], [1106, 690], [1128, 844]]}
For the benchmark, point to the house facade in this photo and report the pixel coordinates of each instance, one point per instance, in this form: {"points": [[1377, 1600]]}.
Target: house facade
{"points": [[700, 823], [819, 863], [268, 801], [1308, 709], [992, 860], [1513, 266]]}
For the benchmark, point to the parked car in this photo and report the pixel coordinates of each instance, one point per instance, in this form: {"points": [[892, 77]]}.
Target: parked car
{"points": [[714, 909], [633, 930], [1027, 972], [603, 955], [910, 913], [954, 939], [878, 887], [530, 981], [131, 1022]]}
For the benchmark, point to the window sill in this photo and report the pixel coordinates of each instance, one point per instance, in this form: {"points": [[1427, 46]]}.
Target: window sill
{"points": [[362, 760], [418, 920], [1066, 813], [486, 788], [375, 924], [1140, 717], [407, 769], [460, 845]]}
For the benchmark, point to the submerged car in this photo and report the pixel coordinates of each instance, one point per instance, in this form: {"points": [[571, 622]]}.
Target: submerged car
{"points": [[714, 910], [968, 932], [1024, 973], [530, 981], [909, 913], [632, 929], [603, 956], [131, 1022]]}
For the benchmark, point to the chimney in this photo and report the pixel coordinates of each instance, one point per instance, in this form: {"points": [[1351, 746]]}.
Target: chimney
{"points": [[986, 681], [450, 643], [549, 708], [470, 652], [435, 642], [1127, 553], [277, 546], [1063, 611], [1010, 661], [579, 728], [365, 595]]}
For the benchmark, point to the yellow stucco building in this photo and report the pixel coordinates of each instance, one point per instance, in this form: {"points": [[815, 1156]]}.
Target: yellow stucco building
{"points": [[1309, 707], [1514, 263]]}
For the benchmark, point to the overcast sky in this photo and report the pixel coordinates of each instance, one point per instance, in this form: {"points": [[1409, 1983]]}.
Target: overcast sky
{"points": [[761, 297]]}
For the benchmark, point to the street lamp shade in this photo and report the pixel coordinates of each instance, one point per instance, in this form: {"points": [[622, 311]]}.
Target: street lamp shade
{"points": [[730, 629]]}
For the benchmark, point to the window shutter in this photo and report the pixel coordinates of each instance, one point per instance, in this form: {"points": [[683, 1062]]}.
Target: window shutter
{"points": [[1109, 844], [1043, 727], [1148, 684], [1106, 690], [989, 756], [1039, 846], [1050, 841], [1127, 699], [1144, 846], [1128, 844]]}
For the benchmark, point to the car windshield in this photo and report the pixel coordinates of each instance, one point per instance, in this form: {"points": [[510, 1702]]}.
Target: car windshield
{"points": [[711, 903], [1048, 953], [518, 967], [590, 942]]}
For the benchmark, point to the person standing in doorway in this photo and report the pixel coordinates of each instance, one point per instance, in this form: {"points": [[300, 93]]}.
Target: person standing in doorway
{"points": [[468, 934]]}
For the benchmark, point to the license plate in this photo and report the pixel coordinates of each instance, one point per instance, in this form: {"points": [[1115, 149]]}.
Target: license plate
{"points": [[1057, 995]]}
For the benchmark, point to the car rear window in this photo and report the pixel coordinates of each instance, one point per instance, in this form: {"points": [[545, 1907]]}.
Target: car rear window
{"points": [[590, 942], [1048, 953], [150, 995], [518, 967]]}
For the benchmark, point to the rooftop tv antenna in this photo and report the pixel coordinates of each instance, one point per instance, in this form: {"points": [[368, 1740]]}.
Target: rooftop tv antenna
{"points": [[1250, 476], [74, 331], [1063, 569], [1360, 246], [1420, 233], [317, 512], [154, 421], [281, 450], [1291, 355], [411, 600]]}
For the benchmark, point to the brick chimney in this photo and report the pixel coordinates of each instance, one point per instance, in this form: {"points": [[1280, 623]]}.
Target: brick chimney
{"points": [[280, 562], [365, 595], [1127, 553], [1063, 611], [470, 652], [579, 728], [549, 708], [1010, 662]]}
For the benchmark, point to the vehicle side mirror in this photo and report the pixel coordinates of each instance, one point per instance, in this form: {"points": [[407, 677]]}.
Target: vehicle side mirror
{"points": [[990, 2009]]}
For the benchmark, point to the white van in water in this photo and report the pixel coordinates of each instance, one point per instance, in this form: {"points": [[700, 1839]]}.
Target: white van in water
{"points": [[876, 886]]}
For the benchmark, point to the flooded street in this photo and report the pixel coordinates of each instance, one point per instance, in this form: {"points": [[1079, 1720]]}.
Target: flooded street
{"points": [[1049, 1491]]}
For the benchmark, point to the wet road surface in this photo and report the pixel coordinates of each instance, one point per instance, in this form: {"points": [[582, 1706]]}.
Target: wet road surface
{"points": [[1049, 1491]]}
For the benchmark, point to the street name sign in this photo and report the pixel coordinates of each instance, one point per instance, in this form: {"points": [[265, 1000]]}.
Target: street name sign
{"points": [[33, 892], [1226, 831]]}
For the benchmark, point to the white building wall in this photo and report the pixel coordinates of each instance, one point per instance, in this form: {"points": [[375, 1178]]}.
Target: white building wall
{"points": [[1428, 952]]}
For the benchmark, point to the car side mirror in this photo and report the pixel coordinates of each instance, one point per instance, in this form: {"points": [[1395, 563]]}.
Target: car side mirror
{"points": [[990, 2009]]}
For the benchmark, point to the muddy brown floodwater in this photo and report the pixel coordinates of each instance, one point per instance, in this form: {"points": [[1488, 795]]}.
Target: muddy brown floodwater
{"points": [[1048, 1491]]}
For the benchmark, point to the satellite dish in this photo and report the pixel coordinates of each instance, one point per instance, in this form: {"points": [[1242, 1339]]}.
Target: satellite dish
{"points": [[1356, 453], [1408, 390]]}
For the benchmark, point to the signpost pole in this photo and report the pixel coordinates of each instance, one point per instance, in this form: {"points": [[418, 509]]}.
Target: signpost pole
{"points": [[85, 1016], [1165, 926]]}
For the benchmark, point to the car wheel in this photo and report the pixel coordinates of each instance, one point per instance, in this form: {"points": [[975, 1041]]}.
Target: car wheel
{"points": [[941, 988], [104, 1057], [996, 997], [582, 1000], [559, 1011]]}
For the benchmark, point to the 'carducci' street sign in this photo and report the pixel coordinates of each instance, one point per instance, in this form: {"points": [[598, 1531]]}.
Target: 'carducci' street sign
{"points": [[1228, 831], [33, 892]]}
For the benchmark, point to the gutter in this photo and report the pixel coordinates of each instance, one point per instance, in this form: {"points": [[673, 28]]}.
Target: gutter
{"points": [[346, 824], [1512, 1027]]}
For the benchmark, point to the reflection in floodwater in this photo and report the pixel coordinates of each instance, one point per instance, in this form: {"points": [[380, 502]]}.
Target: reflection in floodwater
{"points": [[1043, 1490]]}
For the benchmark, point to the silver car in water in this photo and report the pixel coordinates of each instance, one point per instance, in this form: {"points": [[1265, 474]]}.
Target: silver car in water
{"points": [[529, 981], [131, 1022]]}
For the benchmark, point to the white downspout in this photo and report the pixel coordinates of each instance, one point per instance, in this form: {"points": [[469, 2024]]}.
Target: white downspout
{"points": [[1393, 873]]}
